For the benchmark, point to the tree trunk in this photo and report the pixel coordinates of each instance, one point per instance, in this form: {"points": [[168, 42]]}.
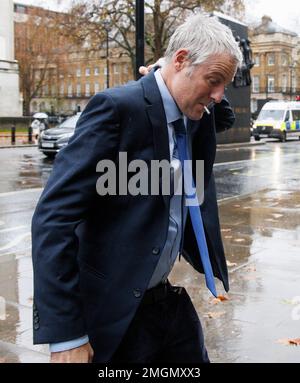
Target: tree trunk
{"points": [[158, 52], [26, 106]]}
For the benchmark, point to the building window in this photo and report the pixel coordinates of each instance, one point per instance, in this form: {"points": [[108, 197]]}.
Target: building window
{"points": [[296, 115], [78, 72], [116, 69], [283, 83], [20, 8], [87, 72], [96, 87], [37, 74], [34, 106], [70, 90], [105, 71], [96, 72], [78, 90], [271, 59], [42, 107], [255, 84], [87, 90], [271, 84], [87, 42], [126, 68], [46, 90], [53, 90], [284, 59], [52, 73], [62, 90], [256, 60]]}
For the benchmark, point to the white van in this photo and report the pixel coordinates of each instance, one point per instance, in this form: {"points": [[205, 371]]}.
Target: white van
{"points": [[278, 119]]}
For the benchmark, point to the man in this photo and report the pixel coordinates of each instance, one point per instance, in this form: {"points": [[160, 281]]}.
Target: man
{"points": [[101, 262]]}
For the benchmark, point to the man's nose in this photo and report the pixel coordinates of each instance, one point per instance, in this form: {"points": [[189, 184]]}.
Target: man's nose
{"points": [[218, 93]]}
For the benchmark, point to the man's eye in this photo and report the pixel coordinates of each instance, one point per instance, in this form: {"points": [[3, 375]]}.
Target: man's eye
{"points": [[214, 82]]}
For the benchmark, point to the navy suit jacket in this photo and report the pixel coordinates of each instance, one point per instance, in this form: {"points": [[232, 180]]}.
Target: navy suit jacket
{"points": [[93, 256]]}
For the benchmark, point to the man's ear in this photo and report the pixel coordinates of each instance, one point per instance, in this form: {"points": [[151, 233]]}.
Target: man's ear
{"points": [[180, 59]]}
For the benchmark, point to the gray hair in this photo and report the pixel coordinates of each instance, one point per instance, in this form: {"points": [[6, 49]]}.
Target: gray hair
{"points": [[203, 36]]}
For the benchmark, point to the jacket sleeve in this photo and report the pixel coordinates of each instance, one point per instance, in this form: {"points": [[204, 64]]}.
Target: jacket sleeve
{"points": [[224, 116], [66, 199]]}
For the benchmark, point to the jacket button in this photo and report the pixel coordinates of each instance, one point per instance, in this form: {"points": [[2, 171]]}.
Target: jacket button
{"points": [[36, 320], [35, 314], [36, 326], [155, 250], [137, 293]]}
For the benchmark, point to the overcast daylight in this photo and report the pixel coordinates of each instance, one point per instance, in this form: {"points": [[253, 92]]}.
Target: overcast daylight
{"points": [[286, 13]]}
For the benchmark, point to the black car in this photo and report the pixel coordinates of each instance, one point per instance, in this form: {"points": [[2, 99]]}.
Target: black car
{"points": [[51, 141]]}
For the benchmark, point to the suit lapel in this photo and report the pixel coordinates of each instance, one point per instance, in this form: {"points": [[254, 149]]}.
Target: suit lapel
{"points": [[158, 121], [157, 117]]}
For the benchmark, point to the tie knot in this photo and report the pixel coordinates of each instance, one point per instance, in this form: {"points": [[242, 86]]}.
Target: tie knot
{"points": [[179, 126]]}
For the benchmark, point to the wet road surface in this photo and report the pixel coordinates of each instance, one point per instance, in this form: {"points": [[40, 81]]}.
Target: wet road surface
{"points": [[259, 200]]}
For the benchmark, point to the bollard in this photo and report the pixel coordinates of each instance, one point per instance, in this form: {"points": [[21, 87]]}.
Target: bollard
{"points": [[13, 134], [30, 134]]}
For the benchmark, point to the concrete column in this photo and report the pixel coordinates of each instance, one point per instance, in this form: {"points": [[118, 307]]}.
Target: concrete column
{"points": [[10, 101]]}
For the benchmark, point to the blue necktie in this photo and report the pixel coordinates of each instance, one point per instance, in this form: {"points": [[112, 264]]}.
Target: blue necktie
{"points": [[195, 211]]}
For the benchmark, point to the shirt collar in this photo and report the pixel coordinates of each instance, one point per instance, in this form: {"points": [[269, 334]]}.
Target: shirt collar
{"points": [[171, 109]]}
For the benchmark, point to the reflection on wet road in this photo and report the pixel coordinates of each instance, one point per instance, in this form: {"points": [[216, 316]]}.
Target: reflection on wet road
{"points": [[237, 171], [23, 168], [271, 165], [261, 235]]}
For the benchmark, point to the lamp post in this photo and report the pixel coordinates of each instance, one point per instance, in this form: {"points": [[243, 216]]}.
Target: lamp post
{"points": [[139, 36], [106, 27]]}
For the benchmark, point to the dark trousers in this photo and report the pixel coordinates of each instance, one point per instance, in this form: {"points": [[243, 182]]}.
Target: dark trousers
{"points": [[166, 328]]}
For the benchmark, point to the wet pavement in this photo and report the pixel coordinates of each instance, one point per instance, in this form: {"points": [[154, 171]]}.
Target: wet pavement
{"points": [[261, 235], [259, 201]]}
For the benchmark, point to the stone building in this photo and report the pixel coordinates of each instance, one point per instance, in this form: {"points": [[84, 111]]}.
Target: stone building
{"points": [[73, 75], [275, 74]]}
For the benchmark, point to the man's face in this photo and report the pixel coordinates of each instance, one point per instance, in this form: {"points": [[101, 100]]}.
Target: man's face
{"points": [[194, 87]]}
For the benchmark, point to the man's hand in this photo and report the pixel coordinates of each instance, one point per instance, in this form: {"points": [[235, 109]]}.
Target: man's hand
{"points": [[82, 354], [144, 70]]}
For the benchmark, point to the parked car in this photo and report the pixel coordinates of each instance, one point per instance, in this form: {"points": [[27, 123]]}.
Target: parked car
{"points": [[54, 120], [51, 141]]}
